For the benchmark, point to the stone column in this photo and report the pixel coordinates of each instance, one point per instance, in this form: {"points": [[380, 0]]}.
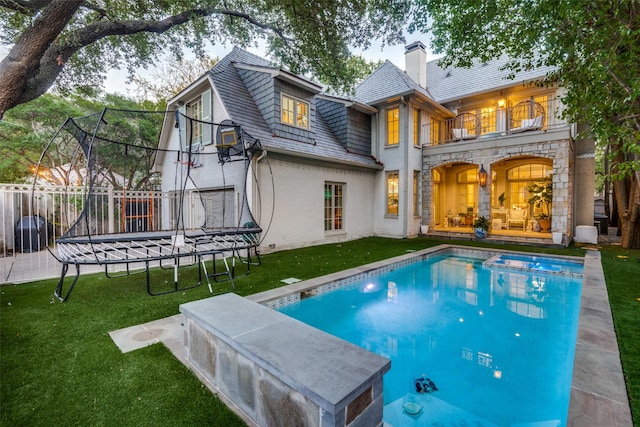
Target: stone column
{"points": [[427, 194], [561, 188], [484, 194]]}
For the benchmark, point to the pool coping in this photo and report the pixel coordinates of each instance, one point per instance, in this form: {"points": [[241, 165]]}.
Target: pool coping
{"points": [[598, 391]]}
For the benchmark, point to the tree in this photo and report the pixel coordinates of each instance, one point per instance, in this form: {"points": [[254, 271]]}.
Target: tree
{"points": [[75, 41], [358, 67], [171, 78], [28, 128], [594, 47]]}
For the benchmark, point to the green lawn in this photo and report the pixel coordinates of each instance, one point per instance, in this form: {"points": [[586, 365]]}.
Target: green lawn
{"points": [[58, 363]]}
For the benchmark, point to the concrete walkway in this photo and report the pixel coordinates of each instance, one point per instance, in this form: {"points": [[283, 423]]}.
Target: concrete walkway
{"points": [[598, 392], [41, 265], [168, 331]]}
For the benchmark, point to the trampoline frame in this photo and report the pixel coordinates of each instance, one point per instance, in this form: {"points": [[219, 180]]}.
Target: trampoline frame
{"points": [[159, 246]]}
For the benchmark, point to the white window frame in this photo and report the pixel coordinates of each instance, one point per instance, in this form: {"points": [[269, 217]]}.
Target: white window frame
{"points": [[389, 195], [334, 207], [416, 193], [199, 109], [396, 130], [299, 120], [417, 119], [194, 111]]}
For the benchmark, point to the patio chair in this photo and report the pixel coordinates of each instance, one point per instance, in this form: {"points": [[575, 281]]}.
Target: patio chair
{"points": [[517, 216], [529, 124], [527, 115], [465, 126]]}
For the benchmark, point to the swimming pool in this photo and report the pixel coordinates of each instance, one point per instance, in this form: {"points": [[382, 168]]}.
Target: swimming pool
{"points": [[486, 346]]}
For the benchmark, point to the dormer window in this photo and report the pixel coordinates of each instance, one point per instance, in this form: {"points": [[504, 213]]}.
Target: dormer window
{"points": [[295, 112]]}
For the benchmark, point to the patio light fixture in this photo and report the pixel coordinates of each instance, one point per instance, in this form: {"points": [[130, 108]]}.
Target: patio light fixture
{"points": [[482, 176], [502, 103]]}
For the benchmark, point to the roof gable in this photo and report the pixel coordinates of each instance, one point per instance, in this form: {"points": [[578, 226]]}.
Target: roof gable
{"points": [[243, 108], [388, 81]]}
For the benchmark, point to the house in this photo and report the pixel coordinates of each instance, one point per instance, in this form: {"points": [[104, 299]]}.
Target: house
{"points": [[427, 147], [314, 180]]}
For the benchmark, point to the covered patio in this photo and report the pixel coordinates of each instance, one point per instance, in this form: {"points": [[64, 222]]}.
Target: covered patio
{"points": [[462, 192]]}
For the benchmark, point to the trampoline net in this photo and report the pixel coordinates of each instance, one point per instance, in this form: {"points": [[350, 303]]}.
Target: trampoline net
{"points": [[131, 189]]}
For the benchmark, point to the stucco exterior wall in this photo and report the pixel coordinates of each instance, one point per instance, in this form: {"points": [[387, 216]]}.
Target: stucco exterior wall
{"points": [[403, 158], [293, 215], [394, 159], [205, 171]]}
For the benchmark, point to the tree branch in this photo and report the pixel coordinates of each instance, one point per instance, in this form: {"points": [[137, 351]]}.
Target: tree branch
{"points": [[24, 6], [23, 60], [620, 82], [38, 57], [99, 30], [95, 8]]}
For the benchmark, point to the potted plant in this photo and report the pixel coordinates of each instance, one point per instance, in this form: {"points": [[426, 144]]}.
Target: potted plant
{"points": [[481, 227], [501, 199], [542, 196]]}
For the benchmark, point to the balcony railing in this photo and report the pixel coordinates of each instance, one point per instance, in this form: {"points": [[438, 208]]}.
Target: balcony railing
{"points": [[525, 116]]}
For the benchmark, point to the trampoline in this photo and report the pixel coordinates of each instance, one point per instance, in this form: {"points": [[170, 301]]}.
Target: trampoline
{"points": [[183, 204]]}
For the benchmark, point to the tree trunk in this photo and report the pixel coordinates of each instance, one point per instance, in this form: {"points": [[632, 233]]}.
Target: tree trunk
{"points": [[627, 196], [630, 217], [20, 69], [35, 61]]}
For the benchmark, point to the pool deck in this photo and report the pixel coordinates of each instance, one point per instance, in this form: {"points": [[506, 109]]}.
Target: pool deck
{"points": [[598, 391]]}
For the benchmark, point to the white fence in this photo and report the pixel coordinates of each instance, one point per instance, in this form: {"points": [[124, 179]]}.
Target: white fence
{"points": [[53, 209]]}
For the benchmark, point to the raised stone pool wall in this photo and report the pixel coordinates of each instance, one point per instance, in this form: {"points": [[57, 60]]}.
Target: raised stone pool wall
{"points": [[279, 371]]}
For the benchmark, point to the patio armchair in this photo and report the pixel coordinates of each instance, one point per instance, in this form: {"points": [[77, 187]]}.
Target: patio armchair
{"points": [[462, 133], [527, 115], [465, 126], [517, 216], [529, 124]]}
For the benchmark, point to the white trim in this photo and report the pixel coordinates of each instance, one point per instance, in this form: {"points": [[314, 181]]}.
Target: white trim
{"points": [[283, 75]]}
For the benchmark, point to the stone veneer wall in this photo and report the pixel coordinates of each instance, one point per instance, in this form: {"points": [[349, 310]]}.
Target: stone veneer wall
{"points": [[281, 372], [488, 152]]}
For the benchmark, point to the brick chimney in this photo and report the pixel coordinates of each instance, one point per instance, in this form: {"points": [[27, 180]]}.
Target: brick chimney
{"points": [[415, 62]]}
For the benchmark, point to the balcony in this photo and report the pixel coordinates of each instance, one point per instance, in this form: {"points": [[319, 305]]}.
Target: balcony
{"points": [[525, 116]]}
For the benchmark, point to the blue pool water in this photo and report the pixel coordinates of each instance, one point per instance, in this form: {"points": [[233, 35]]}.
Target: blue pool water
{"points": [[496, 345], [536, 263]]}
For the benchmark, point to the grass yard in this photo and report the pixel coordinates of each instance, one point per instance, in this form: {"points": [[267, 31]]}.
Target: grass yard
{"points": [[58, 363], [622, 274]]}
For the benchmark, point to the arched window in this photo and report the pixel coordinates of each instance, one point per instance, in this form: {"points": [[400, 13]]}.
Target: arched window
{"points": [[520, 177]]}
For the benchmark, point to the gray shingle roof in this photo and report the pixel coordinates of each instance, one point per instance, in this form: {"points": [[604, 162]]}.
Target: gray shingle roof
{"points": [[449, 84], [387, 82], [243, 110]]}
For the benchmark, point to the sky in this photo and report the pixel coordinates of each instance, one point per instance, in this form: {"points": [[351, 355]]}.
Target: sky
{"points": [[116, 81]]}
